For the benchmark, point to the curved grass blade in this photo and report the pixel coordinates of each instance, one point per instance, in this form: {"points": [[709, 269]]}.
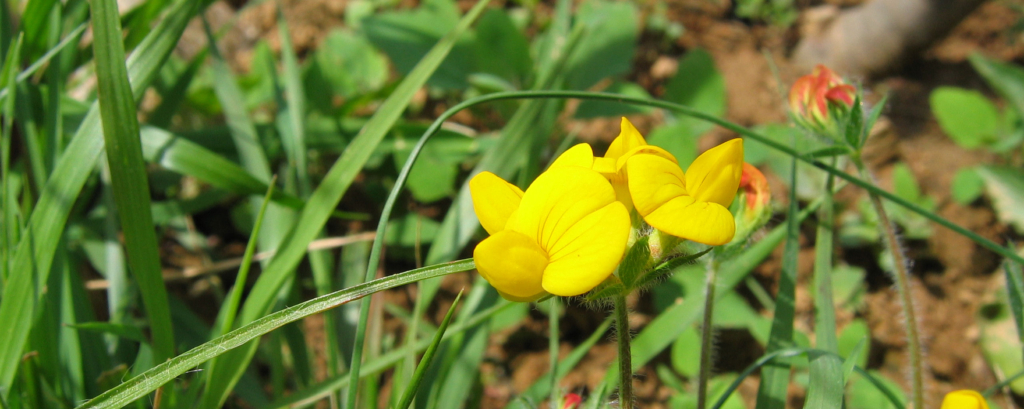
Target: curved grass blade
{"points": [[825, 389], [128, 172], [684, 110], [793, 352], [231, 306], [417, 78], [321, 390], [36, 250], [27, 72], [771, 394], [322, 202], [428, 356], [148, 381]]}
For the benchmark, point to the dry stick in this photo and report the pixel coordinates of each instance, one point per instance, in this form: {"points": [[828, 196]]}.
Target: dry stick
{"points": [[225, 265], [902, 278], [625, 357]]}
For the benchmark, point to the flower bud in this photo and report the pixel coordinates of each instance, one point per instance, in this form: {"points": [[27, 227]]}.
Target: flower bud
{"points": [[752, 206], [571, 401], [813, 94]]}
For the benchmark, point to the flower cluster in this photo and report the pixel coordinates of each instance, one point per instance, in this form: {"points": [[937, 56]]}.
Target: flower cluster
{"points": [[569, 230]]}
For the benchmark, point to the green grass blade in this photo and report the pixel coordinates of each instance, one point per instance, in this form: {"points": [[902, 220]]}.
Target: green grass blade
{"points": [[771, 394], [26, 73], [50, 213], [323, 200], [173, 96], [428, 355], [11, 225], [388, 115], [231, 306], [1015, 290], [128, 172], [747, 133], [292, 115], [189, 158], [666, 327], [152, 379], [383, 362], [825, 390], [545, 384]]}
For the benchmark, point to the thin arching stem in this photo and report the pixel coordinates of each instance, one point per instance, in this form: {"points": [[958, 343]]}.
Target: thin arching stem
{"points": [[902, 278]]}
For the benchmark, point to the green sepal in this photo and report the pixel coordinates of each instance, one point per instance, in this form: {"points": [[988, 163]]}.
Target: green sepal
{"points": [[666, 268], [636, 262], [610, 287], [855, 124]]}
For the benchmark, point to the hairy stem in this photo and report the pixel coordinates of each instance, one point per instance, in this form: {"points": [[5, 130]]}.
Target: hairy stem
{"points": [[902, 278], [625, 357], [706, 334]]}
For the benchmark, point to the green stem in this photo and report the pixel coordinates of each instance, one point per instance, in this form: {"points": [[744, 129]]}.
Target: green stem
{"points": [[553, 345], [625, 357], [902, 278], [706, 333]]}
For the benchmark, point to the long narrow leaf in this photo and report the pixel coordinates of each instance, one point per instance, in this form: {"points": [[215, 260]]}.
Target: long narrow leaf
{"points": [[428, 356], [771, 394], [46, 224], [323, 200], [150, 380], [825, 390], [128, 172]]}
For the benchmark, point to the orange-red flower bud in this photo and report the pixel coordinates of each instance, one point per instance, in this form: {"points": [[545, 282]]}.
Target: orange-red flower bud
{"points": [[571, 401], [755, 189], [811, 94]]}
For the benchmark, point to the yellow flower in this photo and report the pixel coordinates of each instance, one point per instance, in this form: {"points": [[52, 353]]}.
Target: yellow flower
{"points": [[564, 235], [964, 399], [613, 164], [694, 206]]}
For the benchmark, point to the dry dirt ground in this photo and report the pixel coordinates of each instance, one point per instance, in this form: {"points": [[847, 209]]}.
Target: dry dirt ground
{"points": [[952, 277]]}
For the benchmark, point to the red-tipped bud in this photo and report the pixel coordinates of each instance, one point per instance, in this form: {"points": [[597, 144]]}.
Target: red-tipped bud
{"points": [[571, 401], [811, 95]]}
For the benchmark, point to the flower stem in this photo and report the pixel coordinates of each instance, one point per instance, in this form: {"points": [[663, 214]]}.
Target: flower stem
{"points": [[902, 278], [706, 334], [625, 357]]}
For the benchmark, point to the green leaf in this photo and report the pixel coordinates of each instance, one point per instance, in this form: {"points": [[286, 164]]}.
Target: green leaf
{"points": [[967, 186], [607, 47], [698, 84], [686, 353], [354, 66], [851, 343], [595, 109], [152, 379], [501, 48], [1006, 79], [407, 36], [863, 394], [1005, 186], [128, 172], [121, 330], [966, 116]]}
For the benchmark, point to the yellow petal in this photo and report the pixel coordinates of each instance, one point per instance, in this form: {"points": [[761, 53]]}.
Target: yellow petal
{"points": [[964, 399], [580, 155], [513, 263], [588, 252], [702, 222], [646, 149], [628, 139], [653, 181], [558, 199], [494, 200], [715, 175]]}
